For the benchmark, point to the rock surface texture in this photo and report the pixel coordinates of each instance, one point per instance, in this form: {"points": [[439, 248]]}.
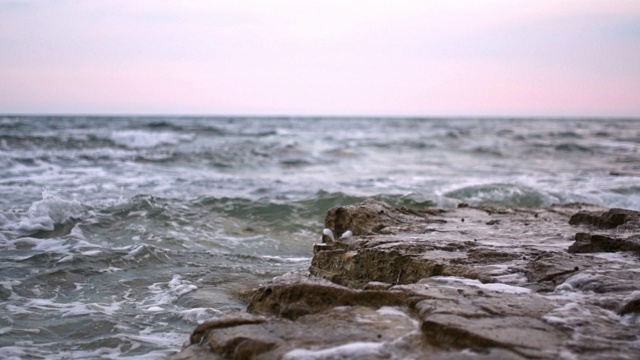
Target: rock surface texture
{"points": [[466, 283]]}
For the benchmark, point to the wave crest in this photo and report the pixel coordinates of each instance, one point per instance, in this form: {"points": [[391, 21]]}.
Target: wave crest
{"points": [[499, 194]]}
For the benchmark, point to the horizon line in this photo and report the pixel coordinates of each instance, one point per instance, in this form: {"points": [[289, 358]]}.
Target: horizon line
{"points": [[333, 116]]}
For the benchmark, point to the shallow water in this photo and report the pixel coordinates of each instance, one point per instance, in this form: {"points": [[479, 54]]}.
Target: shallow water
{"points": [[119, 235]]}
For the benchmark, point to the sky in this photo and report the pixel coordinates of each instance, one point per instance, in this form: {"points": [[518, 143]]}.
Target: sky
{"points": [[578, 58]]}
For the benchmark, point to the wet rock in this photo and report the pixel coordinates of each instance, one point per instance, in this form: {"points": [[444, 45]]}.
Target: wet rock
{"points": [[375, 333], [594, 243], [396, 247], [229, 320], [457, 314], [376, 285], [607, 220], [308, 295], [376, 329], [631, 305], [369, 217], [549, 269], [489, 256], [388, 264], [194, 353], [560, 282]]}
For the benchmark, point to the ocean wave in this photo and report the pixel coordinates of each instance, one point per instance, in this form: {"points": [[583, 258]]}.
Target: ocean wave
{"points": [[274, 210], [187, 125], [627, 190], [143, 205], [146, 253], [72, 308], [199, 315], [502, 194], [138, 139], [574, 147], [166, 293], [50, 217]]}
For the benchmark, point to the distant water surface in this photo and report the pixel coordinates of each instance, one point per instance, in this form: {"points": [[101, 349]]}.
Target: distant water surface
{"points": [[119, 235]]}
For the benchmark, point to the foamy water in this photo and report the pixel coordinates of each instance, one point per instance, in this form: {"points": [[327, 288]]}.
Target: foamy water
{"points": [[119, 235]]}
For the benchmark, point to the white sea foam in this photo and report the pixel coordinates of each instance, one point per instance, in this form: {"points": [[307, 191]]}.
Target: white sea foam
{"points": [[143, 251], [622, 257], [581, 280], [165, 293], [512, 279], [91, 253], [135, 252], [56, 208], [390, 310], [573, 314], [75, 308], [41, 245], [564, 287], [65, 259], [128, 347], [32, 224], [52, 245], [13, 352], [110, 269], [66, 246], [394, 311], [355, 350], [43, 215], [199, 315], [286, 259], [179, 287], [136, 139], [566, 354], [168, 340], [452, 280]]}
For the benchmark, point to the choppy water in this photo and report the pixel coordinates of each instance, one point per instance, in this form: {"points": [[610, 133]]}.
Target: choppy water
{"points": [[119, 235]]}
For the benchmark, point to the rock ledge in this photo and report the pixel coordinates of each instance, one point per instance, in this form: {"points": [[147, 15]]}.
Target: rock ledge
{"points": [[465, 283]]}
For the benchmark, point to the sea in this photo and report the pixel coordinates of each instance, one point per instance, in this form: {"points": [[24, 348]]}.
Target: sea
{"points": [[119, 235]]}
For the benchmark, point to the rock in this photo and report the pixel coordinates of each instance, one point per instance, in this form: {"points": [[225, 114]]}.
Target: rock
{"points": [[594, 243], [376, 333], [607, 220], [307, 295], [458, 314], [465, 283], [549, 269], [397, 247], [369, 217], [231, 320], [376, 285], [631, 305]]}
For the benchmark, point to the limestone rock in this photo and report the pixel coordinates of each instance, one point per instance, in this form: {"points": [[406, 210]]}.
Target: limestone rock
{"points": [[312, 295], [227, 321], [549, 269], [607, 220], [594, 243], [465, 283], [368, 218]]}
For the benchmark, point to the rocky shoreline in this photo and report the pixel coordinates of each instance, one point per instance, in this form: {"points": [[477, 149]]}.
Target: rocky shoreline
{"points": [[467, 283]]}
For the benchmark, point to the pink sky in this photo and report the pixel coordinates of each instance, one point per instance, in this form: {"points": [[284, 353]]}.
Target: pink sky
{"points": [[414, 58]]}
